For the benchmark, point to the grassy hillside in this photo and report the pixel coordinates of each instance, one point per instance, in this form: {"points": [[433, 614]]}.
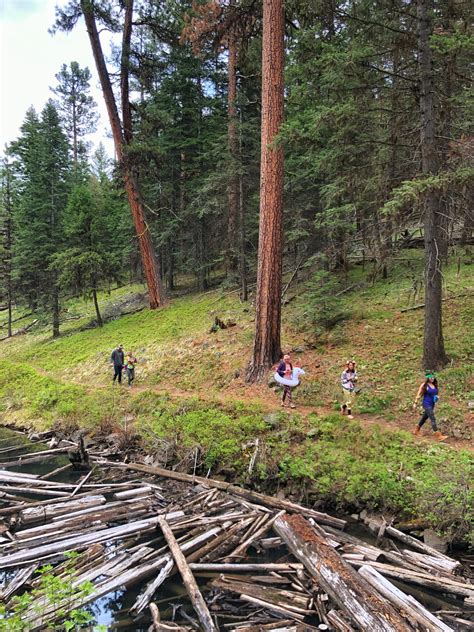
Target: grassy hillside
{"points": [[190, 393]]}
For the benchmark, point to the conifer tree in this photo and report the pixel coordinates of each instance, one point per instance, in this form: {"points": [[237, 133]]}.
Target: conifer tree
{"points": [[76, 106], [42, 168], [6, 240]]}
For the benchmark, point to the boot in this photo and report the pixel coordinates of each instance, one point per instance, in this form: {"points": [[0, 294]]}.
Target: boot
{"points": [[440, 437], [417, 430]]}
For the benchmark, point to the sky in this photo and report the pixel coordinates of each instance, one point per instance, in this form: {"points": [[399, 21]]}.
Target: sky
{"points": [[29, 60]]}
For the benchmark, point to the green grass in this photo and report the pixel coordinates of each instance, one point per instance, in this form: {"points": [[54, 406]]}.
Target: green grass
{"points": [[66, 382]]}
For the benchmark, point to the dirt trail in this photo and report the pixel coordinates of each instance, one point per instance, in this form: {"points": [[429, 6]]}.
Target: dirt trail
{"points": [[268, 401]]}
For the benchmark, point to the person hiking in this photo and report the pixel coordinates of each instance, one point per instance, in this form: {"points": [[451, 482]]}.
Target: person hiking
{"points": [[429, 391], [117, 360], [348, 383], [285, 369], [130, 362]]}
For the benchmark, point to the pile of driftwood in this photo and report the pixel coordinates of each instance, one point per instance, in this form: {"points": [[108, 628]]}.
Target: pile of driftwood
{"points": [[130, 531]]}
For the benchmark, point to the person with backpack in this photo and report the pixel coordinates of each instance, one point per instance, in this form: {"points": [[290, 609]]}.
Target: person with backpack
{"points": [[117, 360], [430, 392]]}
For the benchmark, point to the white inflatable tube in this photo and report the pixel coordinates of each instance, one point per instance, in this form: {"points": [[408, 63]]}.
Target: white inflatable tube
{"points": [[285, 381]]}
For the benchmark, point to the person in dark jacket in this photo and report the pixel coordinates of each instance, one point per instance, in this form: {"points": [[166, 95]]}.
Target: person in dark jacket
{"points": [[116, 360]]}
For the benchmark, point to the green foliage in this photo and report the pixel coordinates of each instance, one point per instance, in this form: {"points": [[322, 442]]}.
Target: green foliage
{"points": [[343, 464], [323, 309], [31, 608]]}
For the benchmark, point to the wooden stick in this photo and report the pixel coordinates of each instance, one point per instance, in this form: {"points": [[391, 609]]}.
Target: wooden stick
{"points": [[448, 298], [190, 583], [58, 470], [84, 480]]}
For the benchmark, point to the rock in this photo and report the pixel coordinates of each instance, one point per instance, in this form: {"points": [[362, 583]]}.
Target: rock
{"points": [[431, 538]]}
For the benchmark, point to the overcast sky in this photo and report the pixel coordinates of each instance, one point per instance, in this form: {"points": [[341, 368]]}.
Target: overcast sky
{"points": [[30, 59]]}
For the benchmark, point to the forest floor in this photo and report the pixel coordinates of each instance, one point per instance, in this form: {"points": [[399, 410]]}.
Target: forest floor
{"points": [[190, 389]]}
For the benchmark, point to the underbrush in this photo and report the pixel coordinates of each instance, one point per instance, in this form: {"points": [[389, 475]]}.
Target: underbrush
{"points": [[340, 464]]}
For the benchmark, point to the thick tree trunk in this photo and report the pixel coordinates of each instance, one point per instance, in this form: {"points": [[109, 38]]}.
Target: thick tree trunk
{"points": [[121, 139], [434, 355], [233, 189], [266, 349]]}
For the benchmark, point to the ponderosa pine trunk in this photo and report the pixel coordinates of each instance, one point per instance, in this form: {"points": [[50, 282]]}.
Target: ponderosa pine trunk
{"points": [[266, 348], [434, 355], [122, 137], [233, 146]]}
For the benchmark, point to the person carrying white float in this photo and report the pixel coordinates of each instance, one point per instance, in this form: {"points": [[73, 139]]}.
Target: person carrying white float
{"points": [[289, 377]]}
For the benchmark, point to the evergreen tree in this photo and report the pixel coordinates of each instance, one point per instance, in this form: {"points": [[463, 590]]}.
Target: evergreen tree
{"points": [[6, 241], [266, 348], [76, 106], [42, 168], [93, 257]]}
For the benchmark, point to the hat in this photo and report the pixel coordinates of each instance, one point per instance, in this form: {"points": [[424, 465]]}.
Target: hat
{"points": [[120, 346], [428, 375]]}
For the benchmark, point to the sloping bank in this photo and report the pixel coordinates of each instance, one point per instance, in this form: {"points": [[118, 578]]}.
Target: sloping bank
{"points": [[328, 462]]}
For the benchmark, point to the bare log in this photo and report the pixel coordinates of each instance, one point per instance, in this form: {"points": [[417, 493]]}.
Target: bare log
{"points": [[191, 586], [414, 543], [245, 567], [252, 496], [21, 577], [405, 603], [441, 584], [337, 578]]}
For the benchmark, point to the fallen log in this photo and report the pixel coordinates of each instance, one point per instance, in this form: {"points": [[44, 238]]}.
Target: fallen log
{"points": [[188, 578], [81, 542], [45, 512], [337, 578], [415, 544], [246, 567], [250, 495], [435, 582], [21, 577], [405, 603]]}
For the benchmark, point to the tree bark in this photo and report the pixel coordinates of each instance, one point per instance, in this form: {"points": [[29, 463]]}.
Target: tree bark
{"points": [[233, 188], [122, 137], [434, 355], [266, 349], [332, 573]]}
